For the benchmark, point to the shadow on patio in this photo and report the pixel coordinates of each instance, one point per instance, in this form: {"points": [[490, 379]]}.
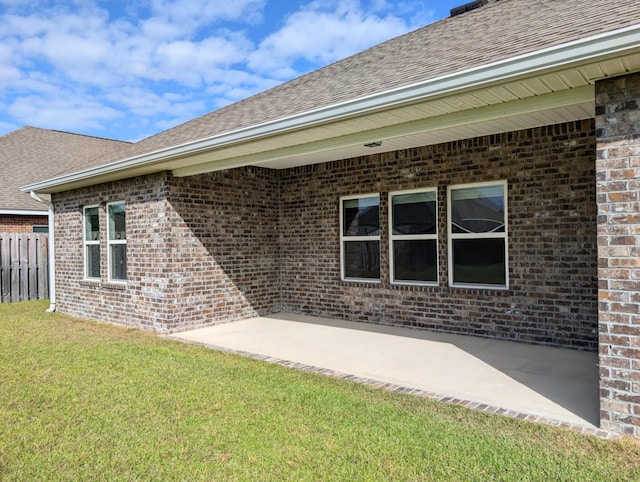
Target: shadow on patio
{"points": [[547, 384]]}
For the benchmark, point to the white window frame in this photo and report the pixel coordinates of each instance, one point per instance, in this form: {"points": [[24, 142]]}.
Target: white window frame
{"points": [[498, 235], [92, 242], [344, 238], [111, 242], [394, 237]]}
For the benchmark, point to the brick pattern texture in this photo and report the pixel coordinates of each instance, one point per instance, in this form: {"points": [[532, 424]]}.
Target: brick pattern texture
{"points": [[199, 250], [225, 246], [232, 244], [618, 188], [10, 223], [552, 237]]}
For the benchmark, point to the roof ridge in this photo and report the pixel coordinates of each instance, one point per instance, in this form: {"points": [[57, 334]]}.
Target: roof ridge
{"points": [[59, 131], [89, 136]]}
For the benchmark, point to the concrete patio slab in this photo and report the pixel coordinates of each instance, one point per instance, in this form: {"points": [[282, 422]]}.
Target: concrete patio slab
{"points": [[556, 384]]}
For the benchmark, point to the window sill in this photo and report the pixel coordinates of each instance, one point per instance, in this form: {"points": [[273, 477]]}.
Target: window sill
{"points": [[479, 287], [115, 285], [415, 283], [110, 285], [362, 280], [95, 283]]}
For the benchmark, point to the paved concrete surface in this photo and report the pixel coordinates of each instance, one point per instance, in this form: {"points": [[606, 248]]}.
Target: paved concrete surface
{"points": [[553, 383]]}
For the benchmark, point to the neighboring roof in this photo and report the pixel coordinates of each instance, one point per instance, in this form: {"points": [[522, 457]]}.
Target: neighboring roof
{"points": [[488, 36], [30, 153]]}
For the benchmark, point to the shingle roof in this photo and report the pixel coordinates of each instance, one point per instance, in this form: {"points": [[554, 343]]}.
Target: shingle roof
{"points": [[29, 154], [500, 30]]}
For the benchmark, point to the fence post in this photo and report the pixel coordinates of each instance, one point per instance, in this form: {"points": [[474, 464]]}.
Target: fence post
{"points": [[14, 243], [5, 268], [23, 247]]}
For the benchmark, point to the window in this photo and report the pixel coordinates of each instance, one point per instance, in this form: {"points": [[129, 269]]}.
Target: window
{"points": [[40, 228], [91, 242], [360, 238], [478, 235], [413, 237], [117, 241]]}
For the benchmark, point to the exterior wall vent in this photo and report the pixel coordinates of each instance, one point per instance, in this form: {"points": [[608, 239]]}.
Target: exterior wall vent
{"points": [[467, 7]]}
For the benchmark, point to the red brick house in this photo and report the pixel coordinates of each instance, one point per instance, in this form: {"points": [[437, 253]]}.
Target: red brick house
{"points": [[479, 175], [29, 154]]}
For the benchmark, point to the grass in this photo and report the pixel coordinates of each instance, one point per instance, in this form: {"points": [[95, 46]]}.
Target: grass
{"points": [[87, 401]]}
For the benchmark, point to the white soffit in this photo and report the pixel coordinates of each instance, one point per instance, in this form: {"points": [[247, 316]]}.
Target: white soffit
{"points": [[550, 108]]}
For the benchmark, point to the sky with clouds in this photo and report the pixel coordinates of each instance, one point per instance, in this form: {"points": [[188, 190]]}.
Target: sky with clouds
{"points": [[127, 70]]}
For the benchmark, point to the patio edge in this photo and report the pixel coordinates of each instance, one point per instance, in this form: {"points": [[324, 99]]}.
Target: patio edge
{"points": [[391, 387]]}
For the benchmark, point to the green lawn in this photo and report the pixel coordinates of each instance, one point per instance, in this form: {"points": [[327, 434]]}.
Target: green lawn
{"points": [[86, 401]]}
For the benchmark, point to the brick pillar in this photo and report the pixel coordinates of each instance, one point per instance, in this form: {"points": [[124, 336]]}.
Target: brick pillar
{"points": [[618, 186]]}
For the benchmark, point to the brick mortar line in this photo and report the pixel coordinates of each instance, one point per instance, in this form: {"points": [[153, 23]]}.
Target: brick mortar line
{"points": [[392, 387]]}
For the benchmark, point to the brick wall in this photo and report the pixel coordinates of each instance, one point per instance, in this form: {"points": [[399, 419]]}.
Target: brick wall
{"points": [[618, 184], [233, 244], [199, 250], [552, 237], [10, 223], [143, 300], [225, 244]]}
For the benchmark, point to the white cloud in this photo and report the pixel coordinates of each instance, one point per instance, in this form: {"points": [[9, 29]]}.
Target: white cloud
{"points": [[197, 57], [196, 12], [146, 103], [159, 29], [23, 26], [83, 59], [139, 101], [9, 73], [39, 83], [82, 64], [91, 50], [323, 32], [74, 114]]}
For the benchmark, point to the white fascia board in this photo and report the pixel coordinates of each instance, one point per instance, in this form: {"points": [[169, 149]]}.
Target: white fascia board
{"points": [[23, 212], [564, 55]]}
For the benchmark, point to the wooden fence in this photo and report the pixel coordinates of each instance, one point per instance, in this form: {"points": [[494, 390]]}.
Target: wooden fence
{"points": [[24, 267]]}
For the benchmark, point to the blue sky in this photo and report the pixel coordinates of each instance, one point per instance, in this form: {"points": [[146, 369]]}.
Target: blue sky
{"points": [[127, 70]]}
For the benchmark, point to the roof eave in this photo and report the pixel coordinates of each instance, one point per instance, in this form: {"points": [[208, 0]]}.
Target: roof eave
{"points": [[560, 56]]}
